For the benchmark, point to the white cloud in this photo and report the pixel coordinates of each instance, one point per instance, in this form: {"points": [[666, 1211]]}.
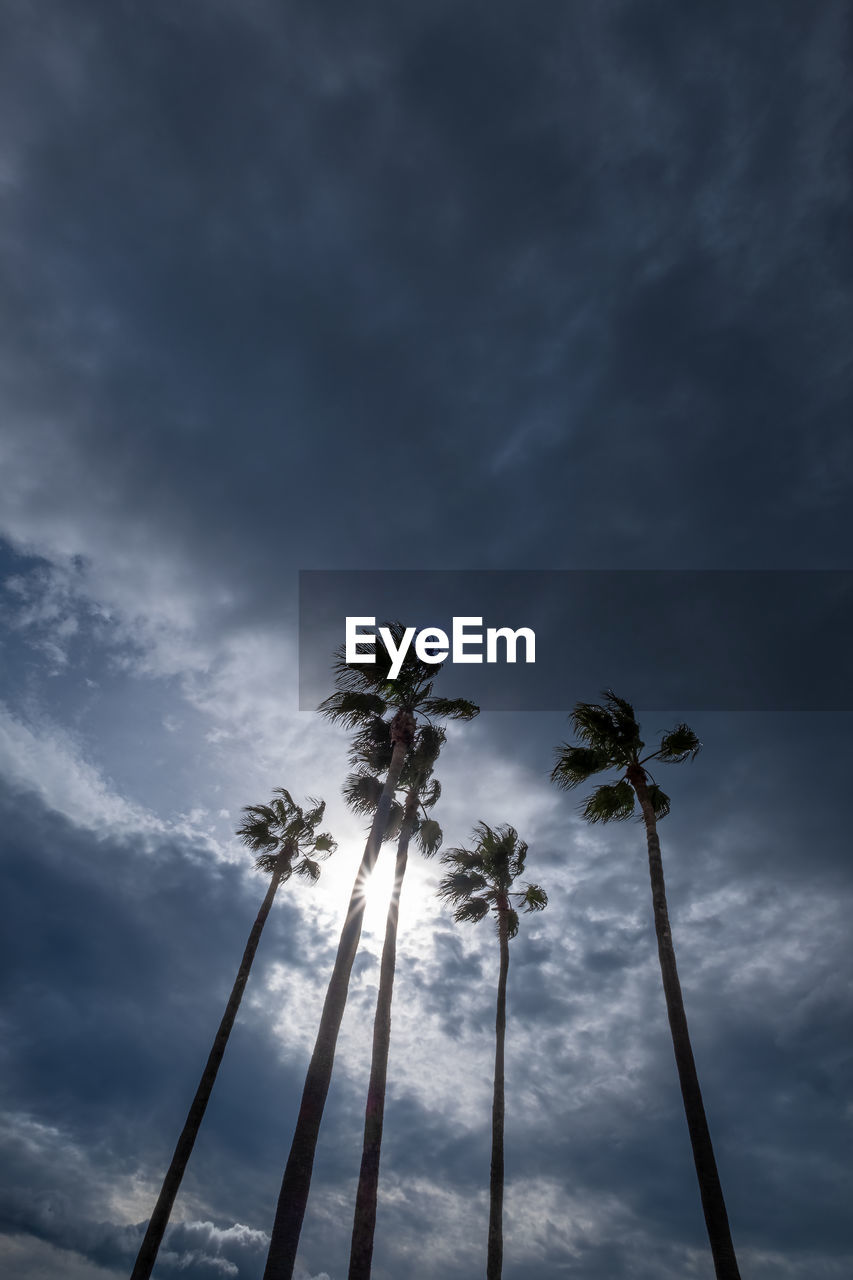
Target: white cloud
{"points": [[48, 760]]}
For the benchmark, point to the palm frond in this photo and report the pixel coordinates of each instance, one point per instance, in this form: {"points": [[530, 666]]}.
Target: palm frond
{"points": [[483, 877], [259, 813], [314, 814], [308, 869], [659, 800], [283, 813], [679, 744], [371, 747], [269, 861], [576, 764], [622, 712], [362, 676], [278, 832], [459, 885], [593, 725], [412, 680], [500, 852], [412, 777], [395, 821], [463, 859], [471, 910], [429, 740], [493, 841], [352, 707], [610, 728], [610, 801], [429, 837], [432, 795], [257, 830], [362, 792], [535, 898], [517, 859], [450, 708]]}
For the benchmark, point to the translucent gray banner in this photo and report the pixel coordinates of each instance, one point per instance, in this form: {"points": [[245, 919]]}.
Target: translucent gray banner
{"points": [[676, 639]]}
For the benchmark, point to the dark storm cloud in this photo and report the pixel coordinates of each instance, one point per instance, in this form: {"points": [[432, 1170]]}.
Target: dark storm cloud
{"points": [[274, 251], [457, 967]]}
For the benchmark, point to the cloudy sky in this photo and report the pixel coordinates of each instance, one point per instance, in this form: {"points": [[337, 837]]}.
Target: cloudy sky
{"points": [[412, 286]]}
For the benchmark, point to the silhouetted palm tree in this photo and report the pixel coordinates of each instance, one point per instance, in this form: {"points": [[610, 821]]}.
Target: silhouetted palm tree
{"points": [[610, 739], [282, 835], [481, 882], [422, 792], [365, 693]]}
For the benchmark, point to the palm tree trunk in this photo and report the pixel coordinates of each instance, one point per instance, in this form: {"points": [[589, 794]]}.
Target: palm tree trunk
{"points": [[713, 1204], [494, 1261], [364, 1222], [153, 1238], [295, 1184]]}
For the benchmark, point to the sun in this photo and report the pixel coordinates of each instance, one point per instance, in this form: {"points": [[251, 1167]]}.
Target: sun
{"points": [[378, 895]]}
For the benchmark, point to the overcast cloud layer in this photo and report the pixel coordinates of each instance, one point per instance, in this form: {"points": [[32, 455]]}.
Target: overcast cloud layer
{"points": [[444, 286]]}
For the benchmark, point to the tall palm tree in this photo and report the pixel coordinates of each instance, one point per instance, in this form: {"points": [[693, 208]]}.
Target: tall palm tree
{"points": [[282, 835], [364, 695], [481, 882], [422, 792], [610, 739]]}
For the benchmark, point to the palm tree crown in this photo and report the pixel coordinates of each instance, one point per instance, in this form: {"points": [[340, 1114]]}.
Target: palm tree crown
{"points": [[482, 878], [610, 738], [282, 834], [365, 693], [365, 687]]}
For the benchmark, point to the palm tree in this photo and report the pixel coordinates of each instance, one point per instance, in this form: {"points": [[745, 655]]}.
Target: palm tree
{"points": [[610, 739], [481, 881], [281, 834], [422, 793], [365, 693]]}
